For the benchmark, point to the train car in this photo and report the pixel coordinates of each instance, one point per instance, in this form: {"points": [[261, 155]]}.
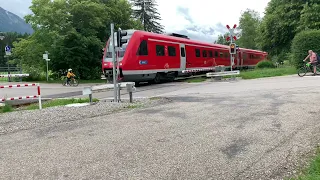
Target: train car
{"points": [[151, 57]]}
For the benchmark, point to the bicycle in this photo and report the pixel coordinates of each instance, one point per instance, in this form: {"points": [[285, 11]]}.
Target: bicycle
{"points": [[73, 82], [307, 68]]}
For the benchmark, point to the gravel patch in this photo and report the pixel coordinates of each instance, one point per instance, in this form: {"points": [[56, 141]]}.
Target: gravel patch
{"points": [[30, 119]]}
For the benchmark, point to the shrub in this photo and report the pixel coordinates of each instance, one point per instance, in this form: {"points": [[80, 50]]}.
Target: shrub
{"points": [[302, 42], [265, 64]]}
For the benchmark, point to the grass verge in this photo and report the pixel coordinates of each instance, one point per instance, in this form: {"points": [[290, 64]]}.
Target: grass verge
{"points": [[45, 104], [267, 72], [58, 102], [313, 171], [196, 80]]}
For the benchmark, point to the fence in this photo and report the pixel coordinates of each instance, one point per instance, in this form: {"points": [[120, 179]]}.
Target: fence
{"points": [[23, 97]]}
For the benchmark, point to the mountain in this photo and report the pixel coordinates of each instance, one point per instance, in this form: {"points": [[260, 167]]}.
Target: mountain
{"points": [[10, 22]]}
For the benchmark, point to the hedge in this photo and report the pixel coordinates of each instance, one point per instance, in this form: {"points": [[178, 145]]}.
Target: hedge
{"points": [[302, 42], [265, 64]]}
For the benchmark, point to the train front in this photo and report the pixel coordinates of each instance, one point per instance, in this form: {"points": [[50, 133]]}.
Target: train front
{"points": [[107, 61]]}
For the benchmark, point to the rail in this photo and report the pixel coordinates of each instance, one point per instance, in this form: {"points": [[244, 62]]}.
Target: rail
{"points": [[129, 86], [223, 73]]}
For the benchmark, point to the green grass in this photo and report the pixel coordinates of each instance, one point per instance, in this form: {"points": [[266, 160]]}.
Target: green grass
{"points": [[267, 72], [196, 80], [313, 171], [6, 108], [58, 102]]}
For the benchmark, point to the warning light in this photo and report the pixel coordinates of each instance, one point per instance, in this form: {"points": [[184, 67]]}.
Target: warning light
{"points": [[232, 48]]}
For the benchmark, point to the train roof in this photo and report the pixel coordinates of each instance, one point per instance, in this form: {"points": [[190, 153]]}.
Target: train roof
{"points": [[183, 39]]}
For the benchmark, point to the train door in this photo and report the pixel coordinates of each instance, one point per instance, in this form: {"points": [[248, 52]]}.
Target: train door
{"points": [[183, 57]]}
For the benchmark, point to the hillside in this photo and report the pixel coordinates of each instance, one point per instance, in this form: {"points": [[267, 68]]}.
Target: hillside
{"points": [[10, 22]]}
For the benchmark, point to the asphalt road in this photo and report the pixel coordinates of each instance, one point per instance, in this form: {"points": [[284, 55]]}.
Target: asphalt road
{"points": [[257, 129]]}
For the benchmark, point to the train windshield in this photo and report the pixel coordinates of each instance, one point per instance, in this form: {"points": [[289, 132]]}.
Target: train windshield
{"points": [[121, 51]]}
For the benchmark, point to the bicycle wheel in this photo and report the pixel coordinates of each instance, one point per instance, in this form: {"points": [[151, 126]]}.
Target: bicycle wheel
{"points": [[64, 81], [317, 70], [75, 83], [302, 71]]}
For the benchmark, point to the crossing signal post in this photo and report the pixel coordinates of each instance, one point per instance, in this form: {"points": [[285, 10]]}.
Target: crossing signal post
{"points": [[233, 46]]}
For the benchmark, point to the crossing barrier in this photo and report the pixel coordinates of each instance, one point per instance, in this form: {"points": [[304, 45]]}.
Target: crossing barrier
{"points": [[23, 97]]}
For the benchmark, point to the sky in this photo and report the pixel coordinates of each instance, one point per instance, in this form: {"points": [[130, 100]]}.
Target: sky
{"points": [[199, 19]]}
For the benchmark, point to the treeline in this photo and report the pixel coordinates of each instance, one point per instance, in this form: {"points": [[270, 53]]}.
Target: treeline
{"points": [[285, 23], [74, 32]]}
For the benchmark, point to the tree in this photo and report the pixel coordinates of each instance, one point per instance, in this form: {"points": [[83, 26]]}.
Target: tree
{"points": [[74, 32], [249, 23], [147, 13], [222, 39], [310, 16], [279, 26]]}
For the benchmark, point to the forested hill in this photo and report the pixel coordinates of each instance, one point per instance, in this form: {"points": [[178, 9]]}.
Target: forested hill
{"points": [[10, 22]]}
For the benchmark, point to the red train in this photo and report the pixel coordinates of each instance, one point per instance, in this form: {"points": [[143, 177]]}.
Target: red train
{"points": [[150, 57]]}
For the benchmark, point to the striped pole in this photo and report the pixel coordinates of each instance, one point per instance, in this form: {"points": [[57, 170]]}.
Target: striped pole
{"points": [[39, 97]]}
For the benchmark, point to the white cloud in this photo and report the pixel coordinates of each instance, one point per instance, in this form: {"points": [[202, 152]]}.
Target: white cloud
{"points": [[207, 17]]}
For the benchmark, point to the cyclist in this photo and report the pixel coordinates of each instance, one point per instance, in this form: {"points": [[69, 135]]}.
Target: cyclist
{"points": [[69, 75], [313, 60]]}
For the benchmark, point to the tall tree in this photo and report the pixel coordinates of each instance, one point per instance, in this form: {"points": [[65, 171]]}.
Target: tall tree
{"points": [[147, 13], [310, 16], [74, 32], [249, 23], [279, 26]]}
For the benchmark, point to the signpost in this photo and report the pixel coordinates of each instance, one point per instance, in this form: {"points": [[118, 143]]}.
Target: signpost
{"points": [[46, 58], [232, 45], [8, 53], [114, 63]]}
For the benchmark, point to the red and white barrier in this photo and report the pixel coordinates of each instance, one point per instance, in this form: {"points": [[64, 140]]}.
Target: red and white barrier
{"points": [[23, 97], [14, 75]]}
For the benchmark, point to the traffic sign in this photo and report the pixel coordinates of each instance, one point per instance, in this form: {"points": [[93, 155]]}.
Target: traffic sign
{"points": [[7, 49], [45, 56]]}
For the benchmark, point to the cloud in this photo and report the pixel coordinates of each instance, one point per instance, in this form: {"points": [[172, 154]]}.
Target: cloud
{"points": [[18, 7], [185, 13]]}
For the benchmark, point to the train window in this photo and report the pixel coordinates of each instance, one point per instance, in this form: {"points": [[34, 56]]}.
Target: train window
{"points": [[172, 51], [143, 48], [245, 55], [204, 53], [197, 52], [160, 50], [216, 54], [221, 54], [210, 54], [183, 53]]}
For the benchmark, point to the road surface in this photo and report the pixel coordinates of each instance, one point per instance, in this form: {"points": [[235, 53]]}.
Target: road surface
{"points": [[255, 129]]}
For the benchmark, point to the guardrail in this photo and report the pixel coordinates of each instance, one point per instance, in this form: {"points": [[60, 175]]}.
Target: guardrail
{"points": [[130, 86], [23, 97], [223, 73]]}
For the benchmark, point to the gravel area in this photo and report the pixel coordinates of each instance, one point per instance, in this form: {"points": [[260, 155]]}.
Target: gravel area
{"points": [[30, 119], [253, 134]]}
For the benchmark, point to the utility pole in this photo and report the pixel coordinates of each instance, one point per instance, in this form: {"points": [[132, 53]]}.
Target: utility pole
{"points": [[114, 63]]}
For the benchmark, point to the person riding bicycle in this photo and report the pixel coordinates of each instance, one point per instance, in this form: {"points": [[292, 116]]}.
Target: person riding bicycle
{"points": [[69, 75], [313, 60]]}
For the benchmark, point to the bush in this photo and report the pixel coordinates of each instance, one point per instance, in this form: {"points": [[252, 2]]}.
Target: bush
{"points": [[265, 64], [302, 42]]}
